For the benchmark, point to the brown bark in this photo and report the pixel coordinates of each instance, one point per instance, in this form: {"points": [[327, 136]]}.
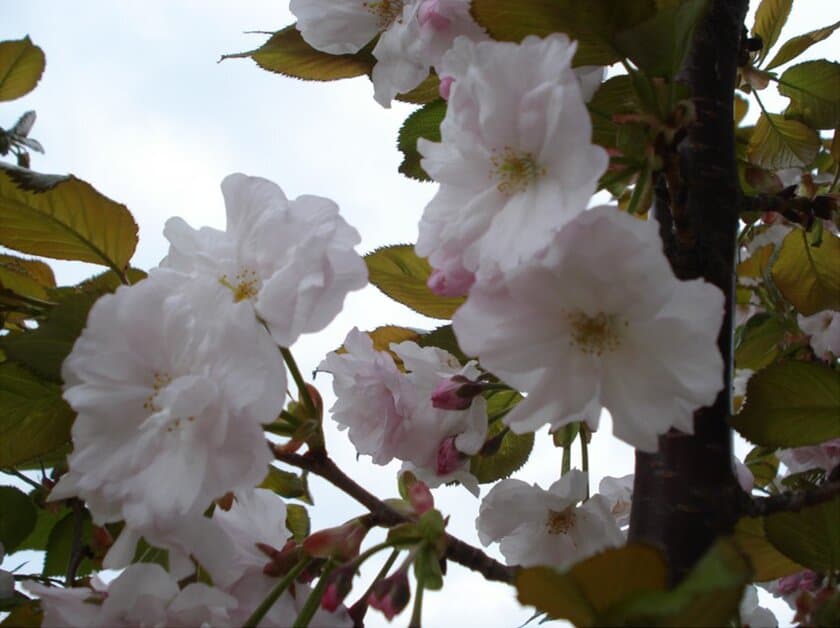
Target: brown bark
{"points": [[686, 495]]}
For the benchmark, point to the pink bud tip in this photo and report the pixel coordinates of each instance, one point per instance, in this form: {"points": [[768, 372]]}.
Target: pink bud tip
{"points": [[430, 15], [448, 457], [446, 86], [421, 497]]}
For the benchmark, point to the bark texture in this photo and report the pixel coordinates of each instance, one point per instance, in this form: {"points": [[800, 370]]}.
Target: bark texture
{"points": [[686, 494]]}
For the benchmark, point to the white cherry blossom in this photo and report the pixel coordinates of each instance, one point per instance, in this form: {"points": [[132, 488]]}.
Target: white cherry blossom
{"points": [[753, 615], [824, 456], [546, 527], [619, 495], [171, 382], [599, 316], [515, 161], [824, 330], [292, 261]]}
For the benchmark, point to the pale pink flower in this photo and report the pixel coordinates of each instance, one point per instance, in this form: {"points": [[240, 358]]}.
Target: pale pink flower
{"points": [[539, 527], [599, 316], [825, 456], [751, 614], [291, 261], [824, 330], [619, 495]]}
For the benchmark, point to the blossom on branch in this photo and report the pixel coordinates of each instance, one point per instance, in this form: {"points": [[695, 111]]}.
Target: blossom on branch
{"points": [[599, 316], [291, 261], [546, 527], [515, 161]]}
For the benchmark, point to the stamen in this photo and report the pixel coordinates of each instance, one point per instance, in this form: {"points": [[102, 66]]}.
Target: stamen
{"points": [[560, 522], [595, 334], [515, 171], [388, 11]]}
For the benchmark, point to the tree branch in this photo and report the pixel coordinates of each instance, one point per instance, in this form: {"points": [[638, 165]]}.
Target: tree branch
{"points": [[799, 209], [791, 501], [456, 550]]}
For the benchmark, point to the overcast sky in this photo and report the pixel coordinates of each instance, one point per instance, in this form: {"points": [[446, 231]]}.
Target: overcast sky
{"points": [[134, 101]]}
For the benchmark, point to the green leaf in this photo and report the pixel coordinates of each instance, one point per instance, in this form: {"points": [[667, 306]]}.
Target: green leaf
{"points": [[759, 341], [63, 218], [70, 530], [21, 66], [145, 553], [382, 338], [615, 95], [593, 24], [297, 521], [659, 44], [34, 419], [791, 404], [778, 143], [28, 615], [45, 522], [767, 562], [26, 277], [426, 92], [427, 568], [425, 122], [809, 276], [810, 537], [513, 451], [592, 587], [763, 464], [287, 53], [287, 484], [814, 91], [564, 436], [17, 517], [400, 274], [770, 17], [444, 338], [44, 349], [795, 46]]}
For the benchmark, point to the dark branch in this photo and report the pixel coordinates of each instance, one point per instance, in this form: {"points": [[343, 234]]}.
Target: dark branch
{"points": [[456, 550], [799, 209], [792, 501]]}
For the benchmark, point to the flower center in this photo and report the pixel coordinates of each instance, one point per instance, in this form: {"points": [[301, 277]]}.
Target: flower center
{"points": [[514, 170], [560, 522], [245, 285], [388, 11], [159, 382], [595, 334]]}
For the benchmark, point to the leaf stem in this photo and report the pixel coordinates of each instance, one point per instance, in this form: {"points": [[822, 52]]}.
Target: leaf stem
{"points": [[303, 393], [261, 610], [359, 609], [314, 599], [417, 611]]}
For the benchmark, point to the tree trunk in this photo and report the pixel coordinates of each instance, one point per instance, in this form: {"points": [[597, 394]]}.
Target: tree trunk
{"points": [[686, 495]]}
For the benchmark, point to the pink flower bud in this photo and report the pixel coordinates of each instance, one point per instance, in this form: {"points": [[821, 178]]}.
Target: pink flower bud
{"points": [[420, 497], [448, 458], [430, 15], [450, 284], [455, 393], [339, 585], [444, 89], [341, 543], [390, 595]]}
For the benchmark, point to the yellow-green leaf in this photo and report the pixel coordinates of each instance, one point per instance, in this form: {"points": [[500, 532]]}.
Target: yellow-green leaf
{"points": [[287, 484], [759, 341], [809, 276], [592, 587], [740, 107], [763, 464], [287, 53], [64, 218], [21, 66], [795, 46], [811, 536], [297, 521], [26, 277], [767, 562], [814, 91], [425, 122], [426, 92], [770, 17], [791, 404], [514, 449], [399, 273], [778, 143]]}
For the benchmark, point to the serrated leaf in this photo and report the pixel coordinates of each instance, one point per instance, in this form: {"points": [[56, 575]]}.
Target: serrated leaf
{"points": [[287, 484], [763, 464], [593, 586], [400, 274], [809, 276], [770, 17], [63, 218], [777, 143], [592, 24], [26, 277], [297, 521], [767, 562], [791, 404], [513, 452], [810, 537], [71, 529], [795, 46], [444, 338], [287, 53], [759, 341], [34, 419], [17, 517], [426, 92], [425, 123], [21, 66], [659, 44], [44, 523], [814, 91]]}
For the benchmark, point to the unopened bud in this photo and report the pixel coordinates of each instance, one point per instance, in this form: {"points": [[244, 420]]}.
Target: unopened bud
{"points": [[450, 284], [390, 595], [420, 497], [338, 587], [448, 457], [341, 543], [455, 393]]}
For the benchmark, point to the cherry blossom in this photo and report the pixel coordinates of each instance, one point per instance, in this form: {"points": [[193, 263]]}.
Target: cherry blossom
{"points": [[599, 316], [515, 161], [824, 330], [545, 527], [168, 396], [753, 615], [292, 261], [825, 456], [619, 495]]}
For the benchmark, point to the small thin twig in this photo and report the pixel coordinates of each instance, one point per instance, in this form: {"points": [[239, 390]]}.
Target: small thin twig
{"points": [[790, 501], [21, 476], [77, 553]]}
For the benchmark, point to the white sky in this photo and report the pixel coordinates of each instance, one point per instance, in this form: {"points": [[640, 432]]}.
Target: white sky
{"points": [[134, 101]]}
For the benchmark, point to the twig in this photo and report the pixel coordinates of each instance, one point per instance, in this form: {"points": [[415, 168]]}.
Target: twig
{"points": [[456, 550], [790, 501]]}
